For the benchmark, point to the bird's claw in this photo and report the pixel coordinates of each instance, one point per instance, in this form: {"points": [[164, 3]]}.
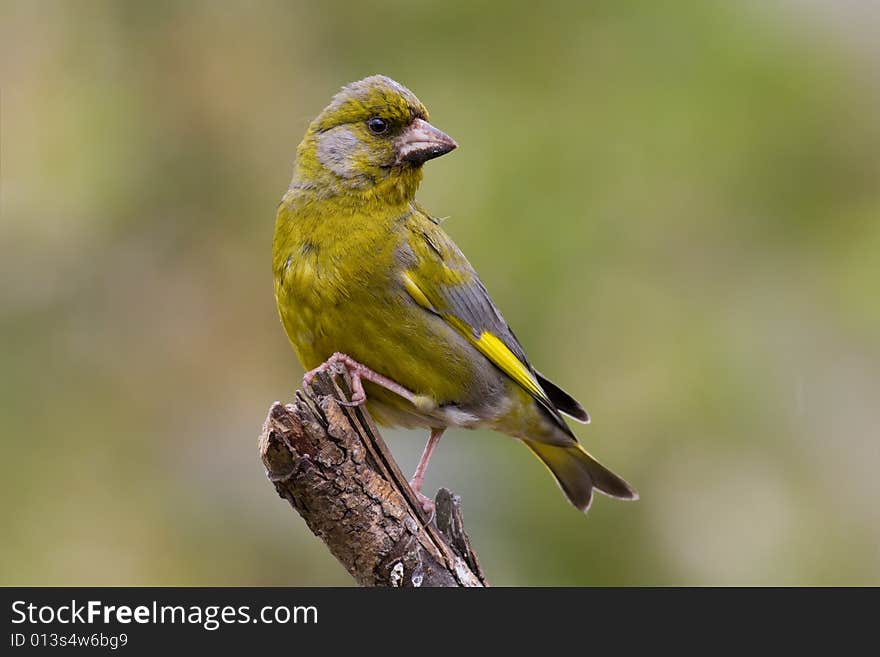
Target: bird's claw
{"points": [[426, 503], [353, 402]]}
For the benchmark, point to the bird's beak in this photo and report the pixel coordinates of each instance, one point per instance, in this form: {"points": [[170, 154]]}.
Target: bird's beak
{"points": [[421, 141]]}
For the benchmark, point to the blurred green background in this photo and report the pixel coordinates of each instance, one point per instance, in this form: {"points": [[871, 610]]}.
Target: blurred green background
{"points": [[676, 205]]}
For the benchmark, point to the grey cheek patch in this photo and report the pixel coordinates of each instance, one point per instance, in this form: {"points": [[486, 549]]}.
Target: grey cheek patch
{"points": [[338, 149]]}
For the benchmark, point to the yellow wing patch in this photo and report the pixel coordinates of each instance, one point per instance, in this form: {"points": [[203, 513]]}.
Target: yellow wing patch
{"points": [[416, 293], [496, 351]]}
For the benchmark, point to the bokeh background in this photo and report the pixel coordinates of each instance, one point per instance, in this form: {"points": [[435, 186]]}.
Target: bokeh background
{"points": [[676, 205]]}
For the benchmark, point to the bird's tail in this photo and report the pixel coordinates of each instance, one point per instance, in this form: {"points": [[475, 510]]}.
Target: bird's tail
{"points": [[578, 473]]}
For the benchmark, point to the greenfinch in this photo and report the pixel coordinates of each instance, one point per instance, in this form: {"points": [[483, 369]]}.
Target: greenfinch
{"points": [[366, 279]]}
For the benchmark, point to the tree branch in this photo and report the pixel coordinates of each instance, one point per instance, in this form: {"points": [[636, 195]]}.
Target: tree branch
{"points": [[330, 462]]}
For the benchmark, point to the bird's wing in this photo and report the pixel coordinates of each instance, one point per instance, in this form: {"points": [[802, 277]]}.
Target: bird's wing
{"points": [[441, 280], [563, 402]]}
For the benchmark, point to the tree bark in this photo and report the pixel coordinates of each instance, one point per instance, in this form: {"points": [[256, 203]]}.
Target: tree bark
{"points": [[330, 462]]}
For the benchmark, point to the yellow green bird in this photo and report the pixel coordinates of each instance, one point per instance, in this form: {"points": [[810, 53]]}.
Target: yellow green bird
{"points": [[366, 278]]}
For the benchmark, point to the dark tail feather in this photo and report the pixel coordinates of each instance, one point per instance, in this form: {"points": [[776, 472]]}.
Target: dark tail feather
{"points": [[578, 473], [563, 402]]}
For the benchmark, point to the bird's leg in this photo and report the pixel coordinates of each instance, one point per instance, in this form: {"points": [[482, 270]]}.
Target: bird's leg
{"points": [[357, 371], [416, 482]]}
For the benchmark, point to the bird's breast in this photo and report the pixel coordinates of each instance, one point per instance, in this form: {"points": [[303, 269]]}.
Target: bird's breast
{"points": [[330, 282], [310, 291]]}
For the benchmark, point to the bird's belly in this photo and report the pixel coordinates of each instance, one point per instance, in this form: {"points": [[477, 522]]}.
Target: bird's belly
{"points": [[382, 328]]}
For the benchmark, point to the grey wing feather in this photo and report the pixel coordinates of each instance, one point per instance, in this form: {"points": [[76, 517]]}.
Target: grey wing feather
{"points": [[471, 303]]}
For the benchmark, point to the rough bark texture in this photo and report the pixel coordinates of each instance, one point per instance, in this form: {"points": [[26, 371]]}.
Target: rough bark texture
{"points": [[330, 462]]}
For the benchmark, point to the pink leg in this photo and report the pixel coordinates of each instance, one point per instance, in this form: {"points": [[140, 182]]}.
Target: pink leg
{"points": [[416, 482], [357, 372]]}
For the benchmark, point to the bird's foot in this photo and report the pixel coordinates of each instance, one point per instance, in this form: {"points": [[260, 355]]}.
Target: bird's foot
{"points": [[358, 373], [427, 503]]}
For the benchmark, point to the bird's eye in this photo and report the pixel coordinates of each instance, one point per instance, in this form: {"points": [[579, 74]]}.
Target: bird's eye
{"points": [[377, 125]]}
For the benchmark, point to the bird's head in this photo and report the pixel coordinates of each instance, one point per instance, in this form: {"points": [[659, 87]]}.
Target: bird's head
{"points": [[372, 139]]}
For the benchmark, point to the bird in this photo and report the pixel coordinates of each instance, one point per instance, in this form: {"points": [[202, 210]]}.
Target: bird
{"points": [[366, 279]]}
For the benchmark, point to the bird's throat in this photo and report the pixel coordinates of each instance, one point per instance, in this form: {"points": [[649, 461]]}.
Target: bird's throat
{"points": [[392, 187]]}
